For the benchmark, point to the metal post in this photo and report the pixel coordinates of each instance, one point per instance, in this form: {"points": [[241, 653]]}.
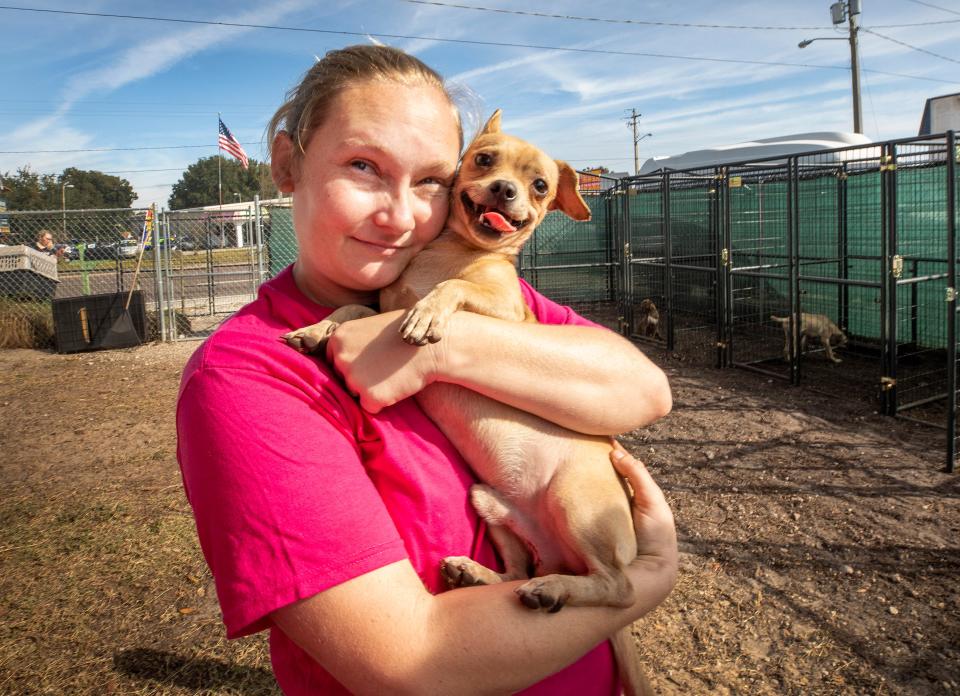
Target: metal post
{"points": [[951, 300], [720, 212], [888, 284], [258, 226], [158, 281], [793, 272], [668, 256]]}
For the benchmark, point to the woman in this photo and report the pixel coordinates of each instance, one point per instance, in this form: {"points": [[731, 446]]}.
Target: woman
{"points": [[325, 520]]}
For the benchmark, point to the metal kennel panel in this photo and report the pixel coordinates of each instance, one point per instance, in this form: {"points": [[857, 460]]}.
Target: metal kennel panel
{"points": [[920, 264], [691, 201], [841, 206], [647, 254], [572, 262], [758, 230]]}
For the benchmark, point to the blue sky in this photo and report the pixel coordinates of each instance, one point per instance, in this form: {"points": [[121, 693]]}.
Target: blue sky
{"points": [[99, 83]]}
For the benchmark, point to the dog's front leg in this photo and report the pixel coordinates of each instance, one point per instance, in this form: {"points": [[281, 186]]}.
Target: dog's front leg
{"points": [[313, 338], [427, 320]]}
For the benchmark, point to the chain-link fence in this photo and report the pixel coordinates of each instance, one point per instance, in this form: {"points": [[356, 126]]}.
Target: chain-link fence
{"points": [[51, 255]]}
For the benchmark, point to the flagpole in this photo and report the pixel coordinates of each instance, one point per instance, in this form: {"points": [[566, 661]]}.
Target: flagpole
{"points": [[219, 158]]}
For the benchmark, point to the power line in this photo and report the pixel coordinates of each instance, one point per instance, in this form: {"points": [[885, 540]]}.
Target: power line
{"points": [[495, 44], [605, 20], [936, 7], [110, 149], [915, 48], [685, 25]]}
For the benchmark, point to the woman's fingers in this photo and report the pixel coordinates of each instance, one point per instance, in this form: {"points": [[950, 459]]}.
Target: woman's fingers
{"points": [[646, 492], [652, 517]]}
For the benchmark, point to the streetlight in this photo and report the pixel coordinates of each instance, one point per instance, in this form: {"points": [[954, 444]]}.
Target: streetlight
{"points": [[636, 152], [63, 205], [840, 11]]}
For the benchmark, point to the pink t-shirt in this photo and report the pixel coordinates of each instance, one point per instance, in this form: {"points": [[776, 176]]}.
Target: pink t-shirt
{"points": [[296, 489]]}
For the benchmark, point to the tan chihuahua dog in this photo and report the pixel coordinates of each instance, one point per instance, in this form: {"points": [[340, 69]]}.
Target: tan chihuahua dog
{"points": [[550, 496]]}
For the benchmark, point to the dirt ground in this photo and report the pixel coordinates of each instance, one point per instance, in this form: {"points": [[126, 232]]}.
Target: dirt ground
{"points": [[819, 540]]}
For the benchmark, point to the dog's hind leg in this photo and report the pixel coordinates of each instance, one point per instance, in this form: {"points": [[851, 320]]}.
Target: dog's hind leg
{"points": [[825, 340], [501, 519], [601, 535]]}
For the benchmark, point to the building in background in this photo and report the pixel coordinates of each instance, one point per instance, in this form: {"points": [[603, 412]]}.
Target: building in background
{"points": [[941, 114]]}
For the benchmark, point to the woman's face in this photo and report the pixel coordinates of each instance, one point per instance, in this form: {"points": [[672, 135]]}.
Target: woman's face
{"points": [[371, 190]]}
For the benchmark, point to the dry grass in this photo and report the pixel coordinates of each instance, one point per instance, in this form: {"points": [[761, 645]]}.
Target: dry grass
{"points": [[25, 324], [103, 586]]}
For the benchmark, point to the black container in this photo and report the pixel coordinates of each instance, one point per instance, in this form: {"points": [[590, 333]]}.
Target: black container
{"points": [[88, 322]]}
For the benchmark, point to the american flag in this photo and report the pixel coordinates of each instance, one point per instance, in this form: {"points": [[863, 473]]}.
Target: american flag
{"points": [[229, 143]]}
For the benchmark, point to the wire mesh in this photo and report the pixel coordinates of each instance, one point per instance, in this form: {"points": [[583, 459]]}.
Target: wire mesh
{"points": [[90, 252], [758, 320], [572, 262], [213, 263]]}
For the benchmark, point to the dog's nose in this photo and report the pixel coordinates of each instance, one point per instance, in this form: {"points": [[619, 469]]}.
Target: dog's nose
{"points": [[504, 190]]}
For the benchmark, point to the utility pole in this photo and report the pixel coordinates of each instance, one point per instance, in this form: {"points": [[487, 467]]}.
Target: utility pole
{"points": [[853, 8], [632, 123], [840, 11], [849, 10]]}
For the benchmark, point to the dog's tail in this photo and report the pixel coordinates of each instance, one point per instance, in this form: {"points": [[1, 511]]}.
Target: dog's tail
{"points": [[633, 679], [780, 320]]}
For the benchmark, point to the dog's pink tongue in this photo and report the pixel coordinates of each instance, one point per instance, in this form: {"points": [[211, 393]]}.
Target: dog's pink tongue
{"points": [[497, 222]]}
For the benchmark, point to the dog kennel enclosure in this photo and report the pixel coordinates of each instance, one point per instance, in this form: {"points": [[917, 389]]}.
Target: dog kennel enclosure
{"points": [[864, 235]]}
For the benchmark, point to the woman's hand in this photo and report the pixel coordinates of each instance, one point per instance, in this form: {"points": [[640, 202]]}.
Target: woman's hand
{"points": [[376, 365], [652, 521]]}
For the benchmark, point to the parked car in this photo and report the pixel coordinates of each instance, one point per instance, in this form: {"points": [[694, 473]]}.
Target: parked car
{"points": [[128, 248], [122, 249], [70, 251]]}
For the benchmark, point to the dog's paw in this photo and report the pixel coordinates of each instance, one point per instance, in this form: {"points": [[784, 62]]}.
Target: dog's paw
{"points": [[310, 339], [423, 324], [543, 593], [460, 571]]}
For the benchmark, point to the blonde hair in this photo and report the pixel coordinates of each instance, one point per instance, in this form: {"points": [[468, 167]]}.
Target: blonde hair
{"points": [[308, 103]]}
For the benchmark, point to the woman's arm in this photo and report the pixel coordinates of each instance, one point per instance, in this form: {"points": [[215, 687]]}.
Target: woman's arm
{"points": [[383, 632], [587, 379]]}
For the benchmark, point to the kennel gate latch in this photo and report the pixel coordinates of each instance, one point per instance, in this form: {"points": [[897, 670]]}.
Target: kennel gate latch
{"points": [[887, 383], [951, 294], [897, 267]]}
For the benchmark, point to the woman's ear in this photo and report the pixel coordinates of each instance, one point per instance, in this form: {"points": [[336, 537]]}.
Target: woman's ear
{"points": [[282, 162]]}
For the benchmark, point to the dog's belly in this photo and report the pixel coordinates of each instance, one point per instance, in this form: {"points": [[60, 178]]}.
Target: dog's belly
{"points": [[535, 465]]}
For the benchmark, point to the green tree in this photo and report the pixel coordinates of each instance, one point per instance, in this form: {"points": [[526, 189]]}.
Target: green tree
{"points": [[94, 190], [85, 189], [198, 185]]}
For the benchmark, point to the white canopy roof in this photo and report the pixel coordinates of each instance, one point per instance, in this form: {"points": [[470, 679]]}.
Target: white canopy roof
{"points": [[753, 150]]}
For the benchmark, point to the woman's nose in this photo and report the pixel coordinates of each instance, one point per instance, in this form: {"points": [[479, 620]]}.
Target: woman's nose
{"points": [[399, 211]]}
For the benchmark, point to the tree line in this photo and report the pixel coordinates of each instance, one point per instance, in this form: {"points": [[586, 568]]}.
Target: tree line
{"points": [[77, 189]]}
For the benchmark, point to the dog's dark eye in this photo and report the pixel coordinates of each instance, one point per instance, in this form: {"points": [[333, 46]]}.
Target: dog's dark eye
{"points": [[540, 186], [483, 159]]}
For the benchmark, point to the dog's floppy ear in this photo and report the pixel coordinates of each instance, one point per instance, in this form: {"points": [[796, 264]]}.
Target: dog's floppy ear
{"points": [[493, 123], [568, 198]]}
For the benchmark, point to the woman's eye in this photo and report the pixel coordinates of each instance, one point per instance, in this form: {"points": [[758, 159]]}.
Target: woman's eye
{"points": [[360, 165], [483, 159], [540, 186]]}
